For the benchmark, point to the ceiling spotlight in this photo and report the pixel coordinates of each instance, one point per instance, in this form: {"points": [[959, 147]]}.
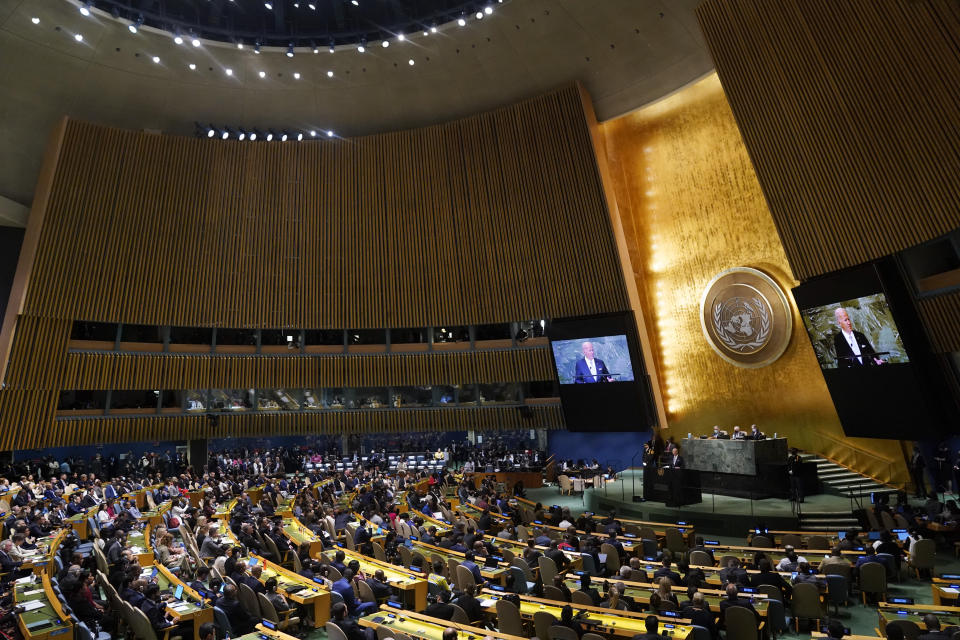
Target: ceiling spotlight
{"points": [[195, 42], [313, 133], [225, 134], [211, 131], [135, 26], [361, 48], [401, 37], [262, 74], [78, 37], [229, 72], [239, 44], [488, 10], [177, 38], [355, 3], [269, 135], [35, 20], [193, 67], [433, 29], [316, 49], [290, 50], [426, 33], [268, 5], [256, 47], [253, 136], [156, 59], [333, 46], [283, 137], [329, 134], [299, 137], [241, 135], [410, 62], [479, 15], [296, 75], [312, 6], [296, 5], [329, 74], [385, 44], [85, 9], [461, 22]]}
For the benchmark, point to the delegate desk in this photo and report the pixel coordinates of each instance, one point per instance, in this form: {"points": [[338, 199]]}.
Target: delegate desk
{"points": [[948, 616], [190, 607], [712, 575], [46, 618], [298, 534], [946, 590], [673, 487], [745, 468], [263, 633], [411, 585], [595, 619], [641, 591], [497, 574], [659, 528], [421, 627]]}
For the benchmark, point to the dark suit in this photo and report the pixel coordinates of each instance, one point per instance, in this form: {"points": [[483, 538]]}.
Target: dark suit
{"points": [[352, 630], [582, 373], [240, 620], [440, 610], [726, 603], [471, 606], [845, 355], [675, 463], [664, 572]]}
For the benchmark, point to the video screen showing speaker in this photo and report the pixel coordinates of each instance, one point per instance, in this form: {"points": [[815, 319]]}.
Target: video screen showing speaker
{"points": [[873, 354], [851, 334], [603, 383]]}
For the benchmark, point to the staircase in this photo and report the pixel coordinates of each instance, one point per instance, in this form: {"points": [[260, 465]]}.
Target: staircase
{"points": [[839, 480]]}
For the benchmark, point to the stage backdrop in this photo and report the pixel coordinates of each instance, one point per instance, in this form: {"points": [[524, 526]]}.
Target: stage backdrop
{"points": [[692, 207]]}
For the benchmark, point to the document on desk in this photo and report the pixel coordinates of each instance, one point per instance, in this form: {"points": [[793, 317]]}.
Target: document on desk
{"points": [[32, 593], [489, 602], [33, 604], [951, 590]]}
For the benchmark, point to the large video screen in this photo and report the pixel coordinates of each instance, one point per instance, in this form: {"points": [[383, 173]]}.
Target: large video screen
{"points": [[593, 359], [603, 383], [855, 333], [872, 353]]}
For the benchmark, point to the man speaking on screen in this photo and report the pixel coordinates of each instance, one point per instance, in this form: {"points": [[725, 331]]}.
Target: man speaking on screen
{"points": [[589, 368], [852, 347]]}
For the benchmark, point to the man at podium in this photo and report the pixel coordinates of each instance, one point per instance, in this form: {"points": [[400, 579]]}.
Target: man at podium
{"points": [[589, 368]]}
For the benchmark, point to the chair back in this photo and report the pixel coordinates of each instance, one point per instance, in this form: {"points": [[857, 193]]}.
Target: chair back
{"points": [[613, 557], [542, 621], [557, 632], [700, 558], [334, 573], [911, 630], [459, 615], [364, 592], [464, 577], [887, 521], [406, 556], [334, 632], [519, 580], [771, 591], [581, 597], [551, 592], [297, 565], [508, 619], [267, 609], [873, 578], [452, 565], [142, 629], [651, 549], [805, 602], [222, 621], [776, 615], [647, 533], [818, 543], [923, 554], [697, 633], [378, 552], [792, 540], [249, 600], [836, 589], [761, 541], [527, 572], [588, 564], [740, 624], [522, 533], [548, 569], [844, 570], [675, 541], [565, 485]]}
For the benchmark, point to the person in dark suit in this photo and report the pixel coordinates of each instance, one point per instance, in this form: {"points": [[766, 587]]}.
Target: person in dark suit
{"points": [[917, 467], [350, 628], [699, 614], [852, 347], [378, 584], [590, 369], [652, 625], [442, 608], [932, 623], [240, 620], [153, 608], [675, 461], [566, 620], [733, 599], [470, 604], [733, 573], [587, 589], [344, 586], [768, 576], [666, 572]]}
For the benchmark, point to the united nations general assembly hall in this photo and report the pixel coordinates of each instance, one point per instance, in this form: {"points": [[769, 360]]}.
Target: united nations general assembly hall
{"points": [[485, 319]]}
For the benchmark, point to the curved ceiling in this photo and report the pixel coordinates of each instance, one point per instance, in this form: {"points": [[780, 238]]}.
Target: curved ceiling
{"points": [[625, 52]]}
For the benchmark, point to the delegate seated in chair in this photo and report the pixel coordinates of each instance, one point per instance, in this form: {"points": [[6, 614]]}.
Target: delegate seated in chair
{"points": [[344, 586]]}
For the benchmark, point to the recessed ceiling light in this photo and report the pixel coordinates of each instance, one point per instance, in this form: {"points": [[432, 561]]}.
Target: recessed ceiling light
{"points": [[178, 39], [329, 134], [462, 22], [78, 37], [401, 37], [283, 137], [290, 50], [262, 74], [132, 27], [329, 74], [296, 75], [410, 62], [239, 45], [85, 9], [193, 67], [426, 33], [313, 134], [195, 42], [488, 10], [156, 59], [361, 48], [35, 20], [268, 5], [479, 15], [355, 3], [299, 137], [385, 44], [225, 134], [229, 72], [433, 29]]}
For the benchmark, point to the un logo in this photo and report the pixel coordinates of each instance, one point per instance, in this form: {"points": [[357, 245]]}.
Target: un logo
{"points": [[745, 317]]}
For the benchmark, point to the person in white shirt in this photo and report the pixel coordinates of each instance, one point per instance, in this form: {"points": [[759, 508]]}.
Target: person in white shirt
{"points": [[852, 347]]}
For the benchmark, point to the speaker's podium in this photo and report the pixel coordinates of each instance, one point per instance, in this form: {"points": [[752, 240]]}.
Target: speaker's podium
{"points": [[673, 487]]}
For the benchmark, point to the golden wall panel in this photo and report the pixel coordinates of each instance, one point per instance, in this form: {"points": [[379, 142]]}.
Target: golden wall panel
{"points": [[941, 317], [692, 207], [851, 113]]}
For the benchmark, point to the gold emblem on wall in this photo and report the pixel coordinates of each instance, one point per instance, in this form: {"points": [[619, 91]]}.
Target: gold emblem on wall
{"points": [[746, 317]]}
